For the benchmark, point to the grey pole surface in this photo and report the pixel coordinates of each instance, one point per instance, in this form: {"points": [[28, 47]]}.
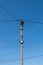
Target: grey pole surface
{"points": [[21, 42]]}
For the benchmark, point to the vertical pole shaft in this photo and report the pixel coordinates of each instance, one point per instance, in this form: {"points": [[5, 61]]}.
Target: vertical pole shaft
{"points": [[21, 54], [21, 42], [21, 48]]}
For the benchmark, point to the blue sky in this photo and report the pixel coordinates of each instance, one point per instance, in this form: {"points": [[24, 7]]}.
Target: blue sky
{"points": [[9, 31]]}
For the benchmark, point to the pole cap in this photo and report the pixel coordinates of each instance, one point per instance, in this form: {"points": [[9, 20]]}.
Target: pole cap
{"points": [[22, 23]]}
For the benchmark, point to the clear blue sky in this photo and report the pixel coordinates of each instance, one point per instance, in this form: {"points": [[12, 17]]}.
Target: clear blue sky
{"points": [[33, 33]]}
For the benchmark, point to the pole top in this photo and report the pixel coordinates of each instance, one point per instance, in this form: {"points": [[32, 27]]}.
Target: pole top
{"points": [[22, 23]]}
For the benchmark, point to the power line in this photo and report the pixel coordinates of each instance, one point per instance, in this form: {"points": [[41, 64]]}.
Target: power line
{"points": [[10, 20], [1, 13], [36, 22], [14, 20], [10, 46], [6, 10], [33, 57], [9, 41]]}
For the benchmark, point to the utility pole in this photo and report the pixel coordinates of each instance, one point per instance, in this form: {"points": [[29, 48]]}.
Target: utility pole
{"points": [[21, 42]]}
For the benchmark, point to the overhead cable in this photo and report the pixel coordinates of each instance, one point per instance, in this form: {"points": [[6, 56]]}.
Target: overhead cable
{"points": [[33, 57], [14, 20], [36, 22], [6, 10], [9, 20]]}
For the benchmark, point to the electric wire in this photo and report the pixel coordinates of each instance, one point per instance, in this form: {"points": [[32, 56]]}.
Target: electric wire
{"points": [[1, 13], [37, 56], [9, 41], [14, 20], [33, 57], [36, 22], [9, 46], [6, 10], [10, 20]]}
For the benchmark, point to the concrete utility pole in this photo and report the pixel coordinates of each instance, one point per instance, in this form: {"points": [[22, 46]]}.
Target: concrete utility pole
{"points": [[21, 42]]}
